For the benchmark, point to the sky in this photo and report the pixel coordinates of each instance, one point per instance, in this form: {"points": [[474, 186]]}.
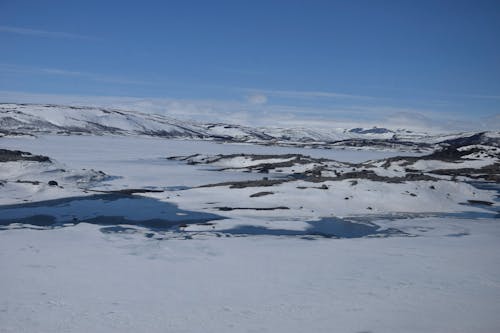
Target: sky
{"points": [[402, 63]]}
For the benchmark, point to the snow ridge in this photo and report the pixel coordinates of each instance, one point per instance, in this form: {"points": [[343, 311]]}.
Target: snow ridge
{"points": [[35, 119]]}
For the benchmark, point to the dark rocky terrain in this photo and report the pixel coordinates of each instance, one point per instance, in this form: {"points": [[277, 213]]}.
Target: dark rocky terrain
{"points": [[319, 170], [17, 155]]}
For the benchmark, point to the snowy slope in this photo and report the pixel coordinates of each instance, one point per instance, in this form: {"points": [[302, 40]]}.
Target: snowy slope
{"points": [[59, 119], [99, 121]]}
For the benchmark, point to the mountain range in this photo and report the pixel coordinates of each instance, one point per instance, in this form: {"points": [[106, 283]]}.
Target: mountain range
{"points": [[37, 119]]}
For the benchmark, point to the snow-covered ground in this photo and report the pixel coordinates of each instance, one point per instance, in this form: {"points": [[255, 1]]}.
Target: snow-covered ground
{"points": [[142, 160], [80, 280], [438, 273]]}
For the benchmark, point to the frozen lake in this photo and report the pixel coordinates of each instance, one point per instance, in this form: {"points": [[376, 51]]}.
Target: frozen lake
{"points": [[104, 209]]}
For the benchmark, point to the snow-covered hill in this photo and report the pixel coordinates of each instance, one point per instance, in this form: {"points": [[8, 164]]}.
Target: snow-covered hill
{"points": [[33, 119], [57, 119]]}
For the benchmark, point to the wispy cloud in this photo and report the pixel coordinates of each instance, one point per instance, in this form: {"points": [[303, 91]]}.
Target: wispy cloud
{"points": [[266, 115], [495, 97], [257, 109], [6, 68], [41, 33], [305, 94], [241, 71], [257, 99]]}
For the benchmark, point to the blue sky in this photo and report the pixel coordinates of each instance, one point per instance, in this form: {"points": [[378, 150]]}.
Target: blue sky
{"points": [[422, 62]]}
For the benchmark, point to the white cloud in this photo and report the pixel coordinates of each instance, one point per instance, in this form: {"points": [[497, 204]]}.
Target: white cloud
{"points": [[41, 33], [494, 97], [64, 72], [257, 99], [305, 94], [491, 122], [411, 120]]}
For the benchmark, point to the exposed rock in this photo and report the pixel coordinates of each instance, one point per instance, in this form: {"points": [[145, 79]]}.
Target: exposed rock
{"points": [[225, 209], [33, 182], [480, 202], [130, 191], [371, 175], [489, 172], [374, 130], [476, 139], [260, 194], [17, 155], [249, 183]]}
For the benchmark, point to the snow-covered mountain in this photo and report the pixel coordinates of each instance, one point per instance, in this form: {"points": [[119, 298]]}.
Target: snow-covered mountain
{"points": [[57, 119], [60, 119]]}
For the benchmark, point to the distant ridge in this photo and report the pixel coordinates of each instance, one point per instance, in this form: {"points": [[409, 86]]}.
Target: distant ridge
{"points": [[37, 119]]}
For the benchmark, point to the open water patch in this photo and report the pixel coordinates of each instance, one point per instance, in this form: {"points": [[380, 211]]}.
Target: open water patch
{"points": [[328, 227], [104, 209]]}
